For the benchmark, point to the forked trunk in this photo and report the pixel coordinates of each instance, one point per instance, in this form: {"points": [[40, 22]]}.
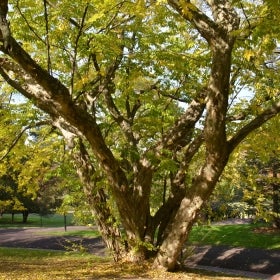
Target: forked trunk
{"points": [[179, 228]]}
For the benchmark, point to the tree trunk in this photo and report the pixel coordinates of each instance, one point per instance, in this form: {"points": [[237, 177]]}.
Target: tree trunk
{"points": [[25, 214], [216, 155], [95, 196]]}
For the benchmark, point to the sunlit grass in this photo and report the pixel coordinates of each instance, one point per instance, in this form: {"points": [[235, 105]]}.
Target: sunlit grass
{"points": [[87, 233], [35, 220], [234, 235], [20, 264]]}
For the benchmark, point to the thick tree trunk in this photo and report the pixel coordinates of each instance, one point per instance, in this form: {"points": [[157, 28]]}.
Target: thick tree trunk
{"points": [[132, 245], [217, 152]]}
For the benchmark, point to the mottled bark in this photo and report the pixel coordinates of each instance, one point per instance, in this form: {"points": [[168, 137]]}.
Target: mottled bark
{"points": [[216, 156], [95, 195], [4, 25]]}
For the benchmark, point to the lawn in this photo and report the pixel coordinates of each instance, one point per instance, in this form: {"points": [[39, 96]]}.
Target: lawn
{"points": [[35, 220], [245, 235], [20, 264]]}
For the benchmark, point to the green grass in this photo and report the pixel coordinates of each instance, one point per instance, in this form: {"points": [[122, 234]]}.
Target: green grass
{"points": [[90, 232], [234, 235], [35, 220]]}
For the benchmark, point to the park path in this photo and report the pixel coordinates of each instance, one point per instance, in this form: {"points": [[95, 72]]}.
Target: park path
{"points": [[41, 238], [254, 263]]}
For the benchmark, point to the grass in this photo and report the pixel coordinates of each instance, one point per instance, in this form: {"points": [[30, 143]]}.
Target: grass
{"points": [[35, 220], [20, 264], [234, 235], [88, 233]]}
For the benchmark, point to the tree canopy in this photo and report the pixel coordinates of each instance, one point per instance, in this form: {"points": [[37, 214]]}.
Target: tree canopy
{"points": [[151, 97]]}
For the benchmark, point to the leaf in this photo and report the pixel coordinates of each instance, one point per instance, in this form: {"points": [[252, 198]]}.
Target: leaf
{"points": [[249, 54]]}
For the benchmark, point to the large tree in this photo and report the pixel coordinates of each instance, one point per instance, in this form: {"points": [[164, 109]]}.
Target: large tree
{"points": [[145, 95]]}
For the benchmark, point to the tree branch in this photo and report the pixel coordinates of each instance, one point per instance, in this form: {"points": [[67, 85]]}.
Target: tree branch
{"points": [[181, 133], [29, 26], [47, 36], [254, 124], [74, 62], [28, 88], [4, 25], [206, 27]]}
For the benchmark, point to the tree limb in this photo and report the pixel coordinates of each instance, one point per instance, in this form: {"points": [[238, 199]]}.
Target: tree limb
{"points": [[74, 62], [47, 35], [181, 133], [254, 124], [191, 13], [4, 25]]}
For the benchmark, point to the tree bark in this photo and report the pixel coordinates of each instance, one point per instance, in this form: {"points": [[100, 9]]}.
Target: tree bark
{"points": [[25, 214], [4, 25], [95, 195], [217, 152]]}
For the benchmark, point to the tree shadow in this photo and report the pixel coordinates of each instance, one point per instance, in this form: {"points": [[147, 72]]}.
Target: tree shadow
{"points": [[245, 259]]}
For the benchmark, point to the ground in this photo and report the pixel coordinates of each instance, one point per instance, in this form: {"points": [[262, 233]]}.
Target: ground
{"points": [[254, 263]]}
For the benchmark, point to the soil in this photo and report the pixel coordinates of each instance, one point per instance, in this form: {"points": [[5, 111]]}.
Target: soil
{"points": [[254, 263]]}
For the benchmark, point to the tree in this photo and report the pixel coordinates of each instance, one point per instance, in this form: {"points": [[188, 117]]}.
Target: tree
{"points": [[114, 87], [259, 173], [30, 161]]}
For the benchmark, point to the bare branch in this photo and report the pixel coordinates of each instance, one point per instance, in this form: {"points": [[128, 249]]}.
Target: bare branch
{"points": [[29, 26], [47, 35]]}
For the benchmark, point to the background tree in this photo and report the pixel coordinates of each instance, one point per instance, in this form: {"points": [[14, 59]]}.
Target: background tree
{"points": [[30, 159], [145, 94]]}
